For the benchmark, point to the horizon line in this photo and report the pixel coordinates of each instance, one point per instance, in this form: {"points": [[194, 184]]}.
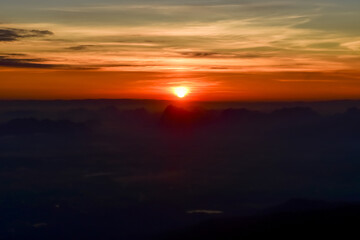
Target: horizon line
{"points": [[187, 101]]}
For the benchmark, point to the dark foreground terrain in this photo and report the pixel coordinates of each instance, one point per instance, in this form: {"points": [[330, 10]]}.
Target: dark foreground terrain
{"points": [[296, 219], [147, 170]]}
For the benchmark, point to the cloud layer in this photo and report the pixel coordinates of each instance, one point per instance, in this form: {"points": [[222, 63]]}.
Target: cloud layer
{"points": [[13, 34]]}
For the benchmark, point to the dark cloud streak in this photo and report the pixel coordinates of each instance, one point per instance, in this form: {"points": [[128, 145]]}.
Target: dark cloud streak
{"points": [[10, 61], [6, 61], [22, 61], [15, 34], [80, 47], [224, 55]]}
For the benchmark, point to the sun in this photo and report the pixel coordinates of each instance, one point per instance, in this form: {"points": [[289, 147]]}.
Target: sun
{"points": [[181, 91]]}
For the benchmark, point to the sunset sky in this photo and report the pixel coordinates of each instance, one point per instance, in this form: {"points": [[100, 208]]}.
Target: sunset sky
{"points": [[222, 50]]}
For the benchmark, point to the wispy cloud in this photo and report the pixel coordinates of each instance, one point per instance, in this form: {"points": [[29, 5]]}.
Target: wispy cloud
{"points": [[14, 34], [80, 47], [9, 61]]}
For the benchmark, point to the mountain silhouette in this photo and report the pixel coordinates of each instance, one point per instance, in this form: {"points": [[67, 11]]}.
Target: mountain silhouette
{"points": [[177, 117], [32, 125]]}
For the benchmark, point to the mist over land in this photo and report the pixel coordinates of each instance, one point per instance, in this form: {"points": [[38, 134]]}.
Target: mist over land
{"points": [[140, 169]]}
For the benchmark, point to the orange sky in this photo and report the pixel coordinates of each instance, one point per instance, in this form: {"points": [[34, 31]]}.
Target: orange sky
{"points": [[208, 86], [252, 51]]}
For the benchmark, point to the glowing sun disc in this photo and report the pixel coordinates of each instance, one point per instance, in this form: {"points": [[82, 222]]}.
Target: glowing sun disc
{"points": [[181, 91]]}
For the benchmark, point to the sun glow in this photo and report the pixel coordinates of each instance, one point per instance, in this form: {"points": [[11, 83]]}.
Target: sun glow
{"points": [[181, 91]]}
